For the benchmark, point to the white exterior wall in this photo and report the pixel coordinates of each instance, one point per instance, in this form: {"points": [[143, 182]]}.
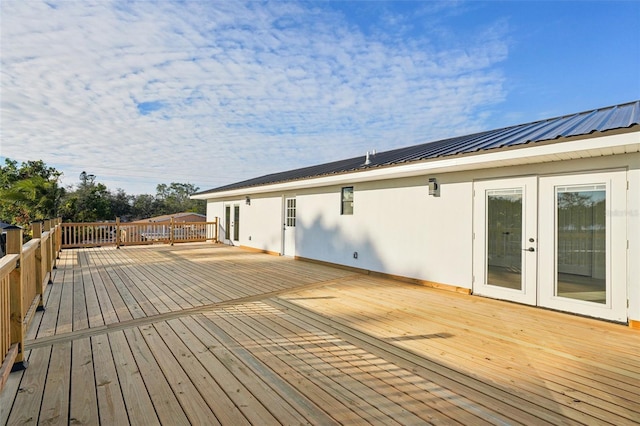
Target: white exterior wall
{"points": [[398, 229], [215, 210], [261, 223]]}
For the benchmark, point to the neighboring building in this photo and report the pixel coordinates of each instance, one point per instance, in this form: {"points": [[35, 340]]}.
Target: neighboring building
{"points": [[177, 217], [545, 213], [159, 227]]}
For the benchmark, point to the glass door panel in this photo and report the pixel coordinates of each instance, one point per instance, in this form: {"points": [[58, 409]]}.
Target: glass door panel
{"points": [[227, 224], [581, 243], [291, 212], [236, 222], [504, 238]]}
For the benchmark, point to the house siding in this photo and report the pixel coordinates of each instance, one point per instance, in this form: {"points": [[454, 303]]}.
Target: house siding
{"points": [[396, 228], [262, 223]]}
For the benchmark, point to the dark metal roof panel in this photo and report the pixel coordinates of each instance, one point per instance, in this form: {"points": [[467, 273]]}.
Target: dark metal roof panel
{"points": [[584, 123]]}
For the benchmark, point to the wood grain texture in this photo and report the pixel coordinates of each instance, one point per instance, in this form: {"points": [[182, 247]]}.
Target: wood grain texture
{"points": [[209, 334]]}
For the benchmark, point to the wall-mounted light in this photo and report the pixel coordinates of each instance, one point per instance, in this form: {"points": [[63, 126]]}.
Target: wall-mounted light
{"points": [[247, 200], [434, 188]]}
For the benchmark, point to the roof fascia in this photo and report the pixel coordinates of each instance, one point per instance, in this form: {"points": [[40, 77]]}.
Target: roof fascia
{"points": [[583, 147]]}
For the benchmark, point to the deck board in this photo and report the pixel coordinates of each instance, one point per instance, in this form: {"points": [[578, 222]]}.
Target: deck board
{"points": [[210, 334], [476, 396], [194, 405], [55, 404], [27, 405], [227, 387], [111, 405], [253, 397], [289, 380], [83, 403], [137, 399], [276, 377]]}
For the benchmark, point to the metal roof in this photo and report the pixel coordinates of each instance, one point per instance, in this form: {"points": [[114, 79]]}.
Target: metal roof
{"points": [[583, 123]]}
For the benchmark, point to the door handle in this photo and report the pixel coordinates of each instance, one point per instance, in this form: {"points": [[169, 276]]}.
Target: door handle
{"points": [[529, 249]]}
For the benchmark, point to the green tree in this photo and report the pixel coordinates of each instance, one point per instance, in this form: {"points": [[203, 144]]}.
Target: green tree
{"points": [[121, 203], [29, 192], [90, 202], [144, 206], [174, 198]]}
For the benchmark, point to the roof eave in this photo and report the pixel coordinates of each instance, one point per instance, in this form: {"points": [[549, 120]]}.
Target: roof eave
{"points": [[595, 145]]}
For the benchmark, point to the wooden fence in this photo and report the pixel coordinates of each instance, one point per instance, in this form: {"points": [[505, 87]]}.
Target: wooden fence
{"points": [[136, 233], [24, 272]]}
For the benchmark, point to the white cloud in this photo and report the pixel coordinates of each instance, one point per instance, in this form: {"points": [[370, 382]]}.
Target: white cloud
{"points": [[141, 93]]}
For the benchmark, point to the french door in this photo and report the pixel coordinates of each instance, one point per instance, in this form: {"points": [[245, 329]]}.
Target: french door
{"points": [[231, 223], [505, 239], [555, 241]]}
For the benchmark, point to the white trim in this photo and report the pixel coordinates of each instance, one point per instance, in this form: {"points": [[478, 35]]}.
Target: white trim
{"points": [[615, 308], [581, 148], [528, 187]]}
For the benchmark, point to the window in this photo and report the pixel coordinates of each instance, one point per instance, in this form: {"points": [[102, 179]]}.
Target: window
{"points": [[347, 200], [291, 212]]}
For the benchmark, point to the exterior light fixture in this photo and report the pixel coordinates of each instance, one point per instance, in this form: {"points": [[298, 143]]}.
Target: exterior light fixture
{"points": [[247, 200], [434, 188]]}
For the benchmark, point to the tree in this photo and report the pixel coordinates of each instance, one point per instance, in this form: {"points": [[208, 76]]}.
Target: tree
{"points": [[174, 198], [28, 193], [90, 202], [121, 203], [144, 205]]}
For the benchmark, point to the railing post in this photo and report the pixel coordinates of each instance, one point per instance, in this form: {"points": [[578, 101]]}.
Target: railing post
{"points": [[117, 232], [171, 231], [54, 241], [14, 246], [58, 239], [41, 255], [217, 229], [49, 260]]}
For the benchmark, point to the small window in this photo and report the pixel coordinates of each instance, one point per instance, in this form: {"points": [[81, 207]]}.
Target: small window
{"points": [[291, 212], [347, 200]]}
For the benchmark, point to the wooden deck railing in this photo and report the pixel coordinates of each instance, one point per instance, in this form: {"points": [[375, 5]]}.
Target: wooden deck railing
{"points": [[24, 271], [136, 233]]}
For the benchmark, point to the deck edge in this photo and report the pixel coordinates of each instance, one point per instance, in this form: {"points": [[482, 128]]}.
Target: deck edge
{"points": [[425, 283]]}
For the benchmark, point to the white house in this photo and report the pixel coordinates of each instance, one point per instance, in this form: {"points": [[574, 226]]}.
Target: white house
{"points": [[544, 213]]}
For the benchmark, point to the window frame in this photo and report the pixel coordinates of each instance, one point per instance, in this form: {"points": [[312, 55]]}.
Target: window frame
{"points": [[290, 212], [345, 199]]}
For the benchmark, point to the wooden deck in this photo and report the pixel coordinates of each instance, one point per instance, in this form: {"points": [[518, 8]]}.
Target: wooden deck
{"points": [[209, 334]]}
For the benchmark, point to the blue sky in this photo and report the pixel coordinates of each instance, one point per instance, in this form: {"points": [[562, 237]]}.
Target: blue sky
{"points": [[213, 92]]}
